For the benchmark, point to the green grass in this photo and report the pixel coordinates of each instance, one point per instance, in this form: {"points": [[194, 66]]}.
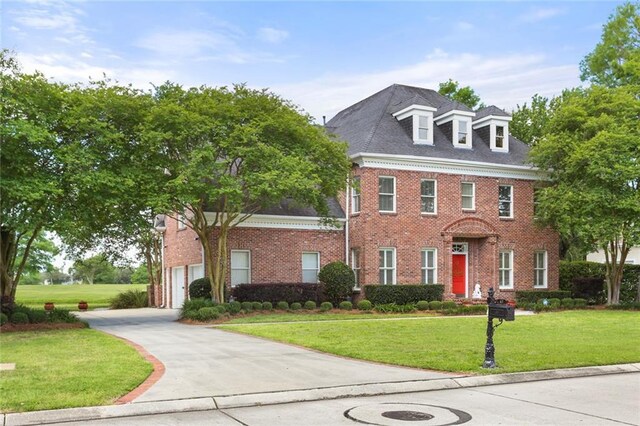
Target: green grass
{"points": [[324, 316], [67, 368], [68, 296], [540, 342]]}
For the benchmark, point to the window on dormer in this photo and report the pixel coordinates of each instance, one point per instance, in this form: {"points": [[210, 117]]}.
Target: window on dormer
{"points": [[499, 136], [423, 127], [463, 132]]}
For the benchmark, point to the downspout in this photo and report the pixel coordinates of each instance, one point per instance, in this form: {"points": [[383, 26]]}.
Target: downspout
{"points": [[163, 277], [346, 225]]}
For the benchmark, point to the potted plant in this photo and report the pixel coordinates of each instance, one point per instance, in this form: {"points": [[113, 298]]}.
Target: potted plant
{"points": [[83, 306], [48, 306]]}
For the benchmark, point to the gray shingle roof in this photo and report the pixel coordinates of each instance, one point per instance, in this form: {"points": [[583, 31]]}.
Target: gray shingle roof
{"points": [[287, 207], [490, 110], [369, 127]]}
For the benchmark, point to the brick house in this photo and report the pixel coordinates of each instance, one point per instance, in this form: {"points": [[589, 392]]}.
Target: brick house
{"points": [[440, 194]]}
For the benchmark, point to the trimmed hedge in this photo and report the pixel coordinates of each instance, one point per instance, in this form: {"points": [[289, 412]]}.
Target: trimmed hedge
{"points": [[338, 280], [365, 305], [200, 288], [310, 305], [572, 271], [532, 296], [402, 294], [274, 293]]}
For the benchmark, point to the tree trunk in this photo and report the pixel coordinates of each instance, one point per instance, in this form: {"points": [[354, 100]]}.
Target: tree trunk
{"points": [[615, 256]]}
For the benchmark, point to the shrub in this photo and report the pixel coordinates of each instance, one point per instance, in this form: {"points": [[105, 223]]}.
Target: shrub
{"points": [[395, 308], [479, 309], [402, 294], [422, 305], [449, 304], [365, 305], [630, 306], [256, 306], [282, 305], [200, 288], [3, 319], [190, 315], [130, 299], [579, 303], [208, 313], [534, 296], [19, 318], [274, 293], [220, 309], [37, 316], [326, 306], [571, 270], [267, 306], [194, 305], [338, 280], [234, 307], [554, 303], [435, 305], [310, 305], [62, 315], [591, 288], [567, 303], [247, 306], [345, 305], [295, 306]]}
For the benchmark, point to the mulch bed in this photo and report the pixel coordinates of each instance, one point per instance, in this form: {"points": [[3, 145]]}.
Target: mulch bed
{"points": [[12, 328]]}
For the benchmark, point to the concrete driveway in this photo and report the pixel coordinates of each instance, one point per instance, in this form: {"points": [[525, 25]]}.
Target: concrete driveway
{"points": [[202, 361]]}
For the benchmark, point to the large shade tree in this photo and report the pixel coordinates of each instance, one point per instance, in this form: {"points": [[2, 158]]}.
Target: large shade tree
{"points": [[592, 152], [233, 151]]}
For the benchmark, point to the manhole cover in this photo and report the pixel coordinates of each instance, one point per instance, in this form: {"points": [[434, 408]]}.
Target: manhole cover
{"points": [[409, 416], [397, 413]]}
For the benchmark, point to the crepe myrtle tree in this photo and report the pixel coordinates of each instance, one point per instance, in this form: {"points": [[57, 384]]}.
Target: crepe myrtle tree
{"points": [[234, 151], [592, 153]]}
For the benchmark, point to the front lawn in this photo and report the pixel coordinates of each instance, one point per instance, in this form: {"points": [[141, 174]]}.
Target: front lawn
{"points": [[68, 296], [539, 342], [67, 368], [334, 315]]}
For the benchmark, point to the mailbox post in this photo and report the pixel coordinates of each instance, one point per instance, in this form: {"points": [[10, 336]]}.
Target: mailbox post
{"points": [[499, 310]]}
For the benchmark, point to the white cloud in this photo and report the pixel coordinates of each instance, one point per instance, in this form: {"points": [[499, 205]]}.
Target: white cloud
{"points": [[272, 35], [540, 14], [184, 43], [505, 80], [464, 26]]}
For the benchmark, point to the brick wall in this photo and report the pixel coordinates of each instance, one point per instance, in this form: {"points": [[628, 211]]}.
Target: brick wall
{"points": [[410, 231]]}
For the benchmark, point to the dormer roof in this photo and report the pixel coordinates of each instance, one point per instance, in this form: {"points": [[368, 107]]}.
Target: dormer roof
{"points": [[489, 111], [369, 126]]}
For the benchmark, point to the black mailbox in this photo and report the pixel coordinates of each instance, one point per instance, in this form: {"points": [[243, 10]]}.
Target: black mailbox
{"points": [[503, 312]]}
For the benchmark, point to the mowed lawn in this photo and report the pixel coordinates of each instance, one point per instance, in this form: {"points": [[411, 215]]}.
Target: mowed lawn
{"points": [[67, 368], [68, 296], [537, 342]]}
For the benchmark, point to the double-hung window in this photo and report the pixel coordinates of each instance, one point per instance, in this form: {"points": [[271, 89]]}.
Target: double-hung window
{"points": [[387, 194], [505, 269], [355, 195], [182, 221], [468, 195], [463, 132], [240, 267], [310, 267], [387, 266], [429, 266], [505, 201], [499, 136], [355, 265], [540, 269], [428, 196], [423, 127]]}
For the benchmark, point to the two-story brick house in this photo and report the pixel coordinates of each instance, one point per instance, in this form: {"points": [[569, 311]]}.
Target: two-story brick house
{"points": [[440, 194]]}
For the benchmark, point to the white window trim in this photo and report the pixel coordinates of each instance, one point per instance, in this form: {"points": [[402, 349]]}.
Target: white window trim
{"points": [[394, 194], [182, 221], [190, 273], [493, 135], [456, 130], [355, 261], [500, 270], [317, 269], [544, 268], [435, 196], [386, 268], [231, 268], [416, 128], [510, 202], [426, 268], [473, 196], [356, 193]]}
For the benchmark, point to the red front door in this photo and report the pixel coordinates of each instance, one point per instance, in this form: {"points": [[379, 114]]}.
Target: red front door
{"points": [[459, 273]]}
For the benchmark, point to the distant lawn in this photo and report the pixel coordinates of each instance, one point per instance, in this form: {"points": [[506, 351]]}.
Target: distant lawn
{"points": [[67, 368], [68, 296], [540, 342]]}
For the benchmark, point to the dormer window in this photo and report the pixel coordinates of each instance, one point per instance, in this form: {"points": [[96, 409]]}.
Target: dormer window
{"points": [[463, 132], [457, 124], [499, 137], [492, 125], [417, 120]]}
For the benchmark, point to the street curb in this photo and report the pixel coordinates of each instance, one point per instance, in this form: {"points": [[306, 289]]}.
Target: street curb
{"points": [[306, 395]]}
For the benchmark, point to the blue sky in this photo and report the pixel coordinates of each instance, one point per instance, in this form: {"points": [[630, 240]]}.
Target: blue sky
{"points": [[324, 56]]}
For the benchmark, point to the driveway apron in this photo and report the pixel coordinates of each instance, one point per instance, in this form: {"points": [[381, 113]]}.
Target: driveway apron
{"points": [[202, 361]]}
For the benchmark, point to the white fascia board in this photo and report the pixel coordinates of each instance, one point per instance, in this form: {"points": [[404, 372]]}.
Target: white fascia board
{"points": [[411, 110], [497, 118], [450, 115], [283, 222], [446, 165]]}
